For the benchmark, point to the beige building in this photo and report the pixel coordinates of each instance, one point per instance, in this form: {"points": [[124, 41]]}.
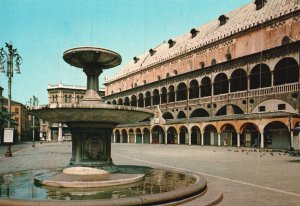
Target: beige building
{"points": [[62, 94], [232, 81], [19, 119]]}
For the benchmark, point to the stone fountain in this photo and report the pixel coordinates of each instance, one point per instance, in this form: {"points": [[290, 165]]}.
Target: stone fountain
{"points": [[92, 120]]}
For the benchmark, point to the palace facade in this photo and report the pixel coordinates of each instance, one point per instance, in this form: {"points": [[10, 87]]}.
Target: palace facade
{"points": [[233, 81]]}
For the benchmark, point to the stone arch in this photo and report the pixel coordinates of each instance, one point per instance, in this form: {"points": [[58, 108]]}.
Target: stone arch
{"points": [[171, 93], [181, 92], [156, 97], [249, 135], [206, 86], [141, 100], [210, 135], [164, 95], [229, 109], [146, 135], [117, 136], [167, 115], [238, 80], [221, 84], [158, 135], [138, 134], [194, 89], [126, 101], [172, 135], [114, 102], [124, 136], [133, 101], [260, 76], [120, 101], [108, 102], [181, 115], [183, 135], [228, 135], [131, 135], [199, 113], [286, 71], [148, 99], [195, 135], [277, 136]]}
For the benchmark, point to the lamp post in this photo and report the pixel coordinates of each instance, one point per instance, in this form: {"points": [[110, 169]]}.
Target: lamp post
{"points": [[33, 102], [9, 58]]}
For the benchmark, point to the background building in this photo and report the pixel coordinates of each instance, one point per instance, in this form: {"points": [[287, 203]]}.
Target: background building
{"points": [[233, 81], [20, 119], [62, 94]]}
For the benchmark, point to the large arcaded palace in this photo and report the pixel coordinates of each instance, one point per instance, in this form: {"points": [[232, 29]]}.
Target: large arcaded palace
{"points": [[233, 81]]}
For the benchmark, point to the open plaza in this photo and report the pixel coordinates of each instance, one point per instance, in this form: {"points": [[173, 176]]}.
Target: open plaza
{"points": [[243, 178], [207, 117]]}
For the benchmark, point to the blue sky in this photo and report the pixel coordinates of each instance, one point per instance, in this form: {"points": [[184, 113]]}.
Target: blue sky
{"points": [[42, 30]]}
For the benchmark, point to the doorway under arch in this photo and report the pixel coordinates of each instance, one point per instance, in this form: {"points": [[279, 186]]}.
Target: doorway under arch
{"points": [[158, 135]]}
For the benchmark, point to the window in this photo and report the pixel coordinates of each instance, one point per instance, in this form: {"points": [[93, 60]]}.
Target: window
{"points": [[228, 56], [194, 32], [135, 59], [17, 110], [167, 75], [262, 108], [145, 82], [223, 19], [213, 61], [152, 52], [171, 43], [260, 4], [201, 65], [175, 72], [158, 77], [281, 106], [285, 40]]}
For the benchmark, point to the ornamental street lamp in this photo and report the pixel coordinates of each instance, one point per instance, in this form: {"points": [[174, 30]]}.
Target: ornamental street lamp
{"points": [[33, 102], [9, 59]]}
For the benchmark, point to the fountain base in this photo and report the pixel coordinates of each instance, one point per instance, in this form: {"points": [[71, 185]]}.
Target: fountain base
{"points": [[85, 177]]}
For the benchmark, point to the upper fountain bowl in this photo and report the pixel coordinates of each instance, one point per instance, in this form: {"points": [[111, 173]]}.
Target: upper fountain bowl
{"points": [[87, 57]]}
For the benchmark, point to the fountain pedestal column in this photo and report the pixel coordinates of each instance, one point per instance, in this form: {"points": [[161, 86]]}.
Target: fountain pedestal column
{"points": [[91, 144]]}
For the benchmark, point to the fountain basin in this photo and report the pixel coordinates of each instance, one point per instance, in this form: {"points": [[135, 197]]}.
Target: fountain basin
{"points": [[158, 187]]}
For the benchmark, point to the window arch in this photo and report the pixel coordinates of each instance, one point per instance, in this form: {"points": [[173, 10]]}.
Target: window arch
{"points": [[156, 97], [126, 101], [199, 113], [133, 101], [194, 89], [221, 84], [167, 115], [181, 115], [141, 100], [148, 99], [213, 62], [205, 87], [260, 76], [238, 80], [164, 95], [171, 94], [120, 101], [286, 71], [181, 91]]}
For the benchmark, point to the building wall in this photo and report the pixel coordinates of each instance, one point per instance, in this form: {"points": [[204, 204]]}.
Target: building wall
{"points": [[253, 93]]}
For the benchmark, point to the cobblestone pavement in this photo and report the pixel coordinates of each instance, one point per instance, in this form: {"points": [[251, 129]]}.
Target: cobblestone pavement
{"points": [[246, 177]]}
